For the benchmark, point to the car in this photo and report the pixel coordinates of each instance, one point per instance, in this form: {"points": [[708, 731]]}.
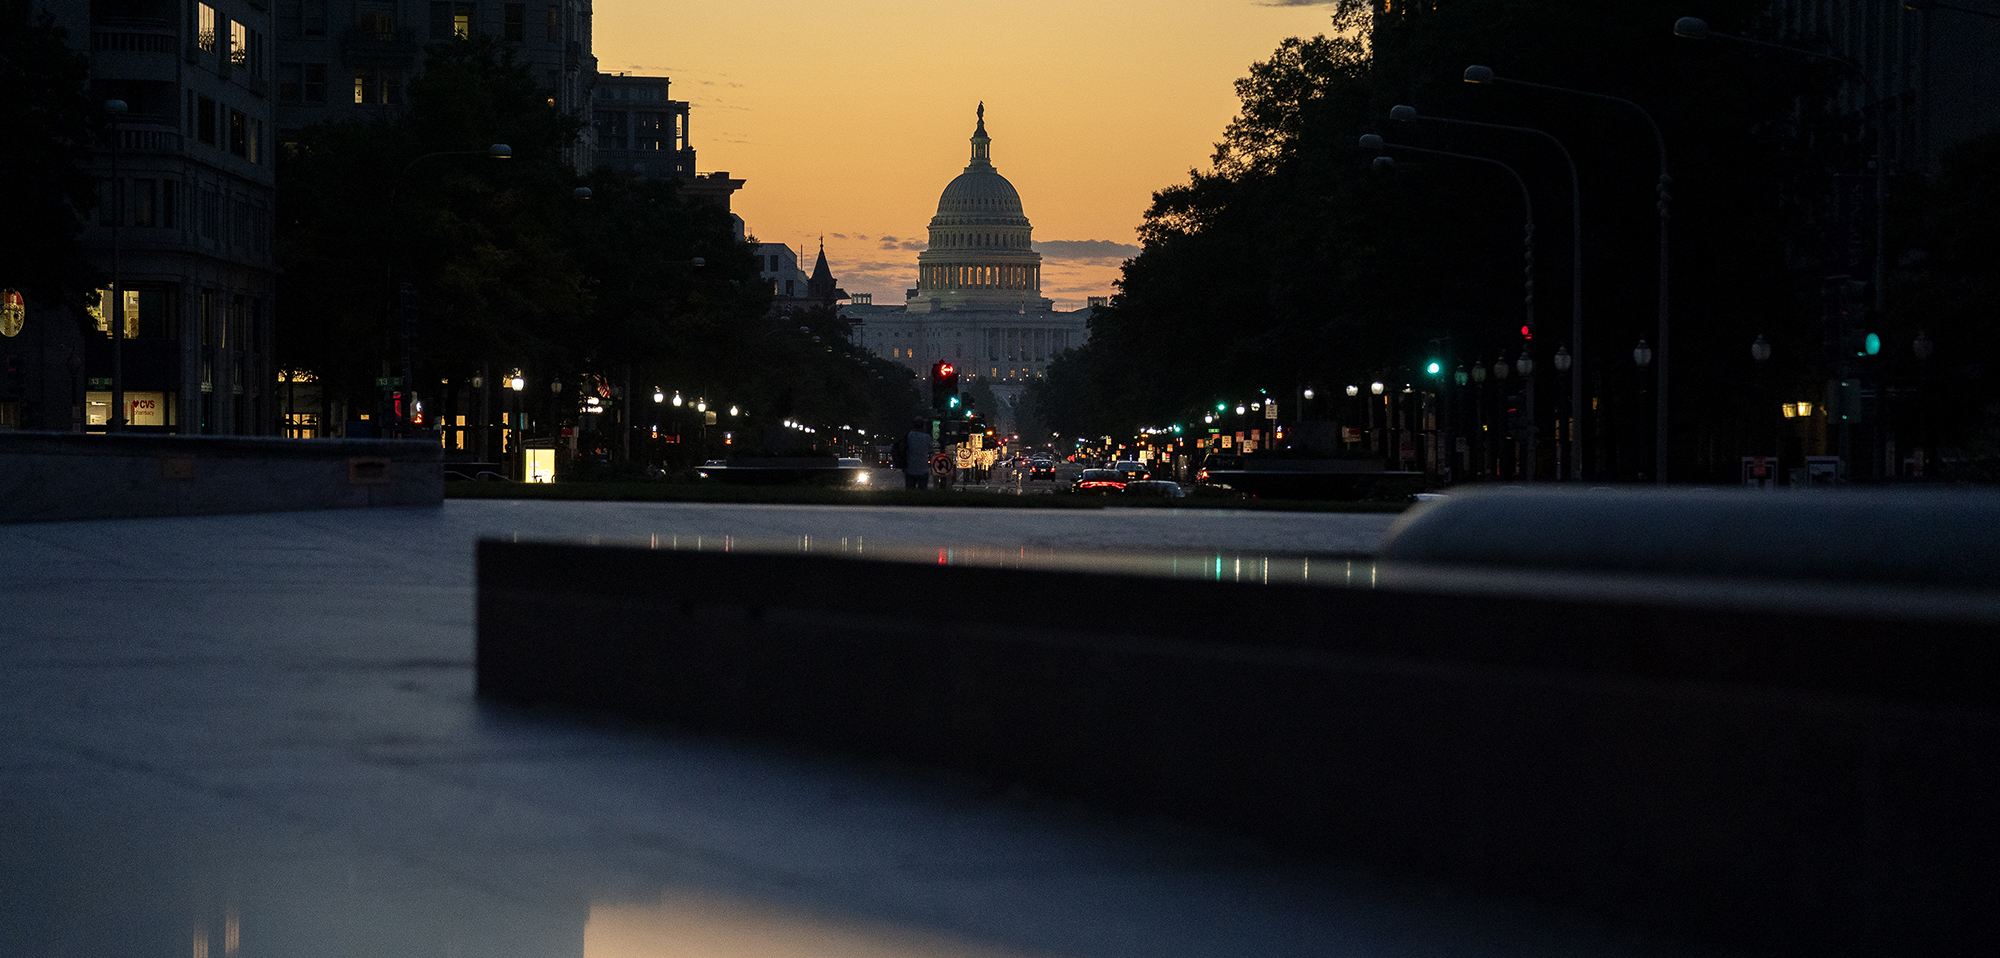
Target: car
{"points": [[1210, 475], [1098, 481], [859, 471], [1132, 471], [1041, 469], [1155, 487]]}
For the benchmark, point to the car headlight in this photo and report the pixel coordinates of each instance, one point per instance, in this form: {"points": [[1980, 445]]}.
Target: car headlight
{"points": [[861, 477]]}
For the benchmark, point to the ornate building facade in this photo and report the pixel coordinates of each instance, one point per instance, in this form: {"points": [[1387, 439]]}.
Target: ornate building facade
{"points": [[183, 224], [978, 302]]}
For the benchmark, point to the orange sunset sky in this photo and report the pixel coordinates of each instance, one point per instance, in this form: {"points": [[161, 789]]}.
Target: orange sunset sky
{"points": [[848, 117]]}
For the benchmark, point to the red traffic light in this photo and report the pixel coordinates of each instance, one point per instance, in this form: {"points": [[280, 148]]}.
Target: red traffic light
{"points": [[1527, 332], [944, 369]]}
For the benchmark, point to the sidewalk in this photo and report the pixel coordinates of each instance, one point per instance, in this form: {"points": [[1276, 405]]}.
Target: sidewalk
{"points": [[256, 735]]}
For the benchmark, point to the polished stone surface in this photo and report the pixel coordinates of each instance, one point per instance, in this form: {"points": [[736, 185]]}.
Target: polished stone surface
{"points": [[256, 735]]}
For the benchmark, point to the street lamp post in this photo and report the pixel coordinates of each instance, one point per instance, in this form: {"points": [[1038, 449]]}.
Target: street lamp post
{"points": [[1505, 447], [1642, 356], [116, 421], [1410, 114], [1663, 203], [1526, 367], [1480, 457], [1378, 442], [1373, 142], [515, 384], [1563, 362], [1922, 347], [1760, 353]]}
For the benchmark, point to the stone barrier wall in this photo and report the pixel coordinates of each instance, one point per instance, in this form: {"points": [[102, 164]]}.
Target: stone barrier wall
{"points": [[1748, 774], [54, 476]]}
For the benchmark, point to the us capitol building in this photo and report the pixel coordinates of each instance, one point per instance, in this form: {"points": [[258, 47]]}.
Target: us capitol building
{"points": [[978, 301]]}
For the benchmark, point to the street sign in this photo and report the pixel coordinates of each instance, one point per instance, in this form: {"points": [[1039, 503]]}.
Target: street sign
{"points": [[99, 382], [389, 382], [1270, 410]]}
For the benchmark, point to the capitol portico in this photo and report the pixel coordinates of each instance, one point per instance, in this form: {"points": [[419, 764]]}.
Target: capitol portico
{"points": [[978, 301]]}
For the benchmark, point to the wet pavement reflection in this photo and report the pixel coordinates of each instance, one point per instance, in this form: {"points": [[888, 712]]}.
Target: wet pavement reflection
{"points": [[1217, 565]]}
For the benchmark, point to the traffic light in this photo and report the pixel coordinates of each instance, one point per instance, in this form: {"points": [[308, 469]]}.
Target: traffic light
{"points": [[944, 386], [1433, 367]]}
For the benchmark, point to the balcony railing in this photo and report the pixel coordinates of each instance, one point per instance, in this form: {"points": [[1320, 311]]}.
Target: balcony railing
{"points": [[105, 41], [134, 24]]}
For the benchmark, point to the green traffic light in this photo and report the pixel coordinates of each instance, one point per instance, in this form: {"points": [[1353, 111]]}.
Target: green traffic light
{"points": [[1873, 344], [1433, 367]]}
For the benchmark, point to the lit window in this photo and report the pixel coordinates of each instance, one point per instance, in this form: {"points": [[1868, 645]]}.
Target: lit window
{"points": [[204, 38]]}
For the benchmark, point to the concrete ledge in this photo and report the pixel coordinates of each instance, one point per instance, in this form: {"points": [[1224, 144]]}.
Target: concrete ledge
{"points": [[1917, 537], [1779, 780], [55, 476]]}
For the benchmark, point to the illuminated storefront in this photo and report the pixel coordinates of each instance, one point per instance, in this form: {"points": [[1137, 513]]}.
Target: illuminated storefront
{"points": [[142, 408]]}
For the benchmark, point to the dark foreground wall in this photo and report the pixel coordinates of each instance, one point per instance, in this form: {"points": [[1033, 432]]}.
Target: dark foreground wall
{"points": [[51, 476], [1781, 780]]}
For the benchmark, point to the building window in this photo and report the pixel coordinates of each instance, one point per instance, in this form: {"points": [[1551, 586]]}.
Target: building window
{"points": [[451, 21], [145, 203], [646, 131], [375, 86], [514, 24], [314, 87], [291, 83], [204, 120], [101, 313], [555, 22], [239, 133], [375, 19], [169, 200], [204, 31], [239, 45], [301, 18], [611, 130]]}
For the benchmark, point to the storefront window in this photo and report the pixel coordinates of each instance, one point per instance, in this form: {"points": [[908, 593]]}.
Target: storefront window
{"points": [[142, 408]]}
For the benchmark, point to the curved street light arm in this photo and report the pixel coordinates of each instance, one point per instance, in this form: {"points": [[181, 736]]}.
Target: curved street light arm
{"points": [[1374, 142]]}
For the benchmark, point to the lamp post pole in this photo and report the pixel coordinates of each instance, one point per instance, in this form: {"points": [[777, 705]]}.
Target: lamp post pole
{"points": [[1573, 366], [1663, 202], [1373, 142], [116, 421]]}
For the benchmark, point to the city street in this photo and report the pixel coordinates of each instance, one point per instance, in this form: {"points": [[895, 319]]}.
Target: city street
{"points": [[256, 735]]}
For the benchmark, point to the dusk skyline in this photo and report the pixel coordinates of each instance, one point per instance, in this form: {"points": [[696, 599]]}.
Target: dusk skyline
{"points": [[845, 126]]}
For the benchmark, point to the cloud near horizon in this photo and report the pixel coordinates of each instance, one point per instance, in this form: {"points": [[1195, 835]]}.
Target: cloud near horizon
{"points": [[1086, 249]]}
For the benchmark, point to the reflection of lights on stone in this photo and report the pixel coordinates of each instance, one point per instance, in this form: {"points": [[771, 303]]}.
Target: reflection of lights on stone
{"points": [[697, 924]]}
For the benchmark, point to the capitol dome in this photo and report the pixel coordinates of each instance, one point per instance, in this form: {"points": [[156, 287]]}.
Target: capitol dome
{"points": [[981, 253]]}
